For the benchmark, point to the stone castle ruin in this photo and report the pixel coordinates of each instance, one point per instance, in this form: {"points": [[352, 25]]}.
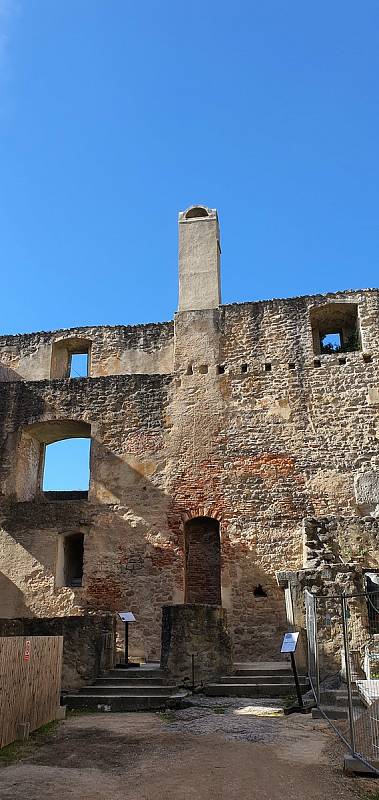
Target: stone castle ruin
{"points": [[234, 453]]}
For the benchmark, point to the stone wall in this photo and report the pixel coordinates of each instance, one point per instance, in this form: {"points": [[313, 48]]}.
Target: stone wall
{"points": [[341, 540], [196, 644], [251, 427], [328, 584], [117, 350]]}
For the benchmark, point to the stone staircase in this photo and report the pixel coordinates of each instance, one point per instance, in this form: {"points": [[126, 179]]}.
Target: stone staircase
{"points": [[140, 688], [260, 679], [335, 704]]}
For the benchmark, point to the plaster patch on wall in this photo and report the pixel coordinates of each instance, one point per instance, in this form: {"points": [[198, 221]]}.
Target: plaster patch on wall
{"points": [[366, 487], [328, 485], [373, 396], [275, 408]]}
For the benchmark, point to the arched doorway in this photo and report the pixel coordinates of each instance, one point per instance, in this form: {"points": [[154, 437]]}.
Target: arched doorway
{"points": [[202, 581]]}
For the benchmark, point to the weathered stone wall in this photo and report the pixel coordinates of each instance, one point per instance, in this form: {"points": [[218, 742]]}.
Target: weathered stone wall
{"points": [[341, 540], [118, 350], [251, 427], [327, 584], [196, 632]]}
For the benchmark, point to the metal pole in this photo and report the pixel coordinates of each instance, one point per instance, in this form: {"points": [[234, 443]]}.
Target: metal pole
{"points": [[317, 661], [348, 671], [126, 644], [296, 678]]}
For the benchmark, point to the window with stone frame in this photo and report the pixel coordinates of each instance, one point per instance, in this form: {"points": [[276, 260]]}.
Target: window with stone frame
{"points": [[335, 328]]}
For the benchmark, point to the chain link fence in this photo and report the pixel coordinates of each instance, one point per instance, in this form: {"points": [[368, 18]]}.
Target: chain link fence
{"points": [[343, 667]]}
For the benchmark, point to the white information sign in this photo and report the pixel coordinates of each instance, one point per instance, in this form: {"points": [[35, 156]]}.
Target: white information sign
{"points": [[289, 642], [126, 616]]}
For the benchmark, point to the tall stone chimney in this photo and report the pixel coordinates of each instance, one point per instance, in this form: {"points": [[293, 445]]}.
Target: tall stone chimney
{"points": [[199, 259]]}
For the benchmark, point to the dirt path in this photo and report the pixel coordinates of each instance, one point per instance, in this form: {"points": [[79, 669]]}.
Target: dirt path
{"points": [[206, 753]]}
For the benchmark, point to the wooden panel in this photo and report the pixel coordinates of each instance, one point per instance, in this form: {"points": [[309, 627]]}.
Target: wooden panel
{"points": [[29, 686]]}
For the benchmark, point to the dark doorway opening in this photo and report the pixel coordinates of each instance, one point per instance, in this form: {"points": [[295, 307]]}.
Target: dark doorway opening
{"points": [[73, 559]]}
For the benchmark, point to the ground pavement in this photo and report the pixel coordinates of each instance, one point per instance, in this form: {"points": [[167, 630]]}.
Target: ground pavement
{"points": [[220, 749]]}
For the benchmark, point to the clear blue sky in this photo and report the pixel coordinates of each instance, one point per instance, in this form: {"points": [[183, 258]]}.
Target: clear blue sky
{"points": [[115, 115]]}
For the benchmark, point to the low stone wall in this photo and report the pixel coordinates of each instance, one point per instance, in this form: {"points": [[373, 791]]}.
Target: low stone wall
{"points": [[88, 642], [200, 630]]}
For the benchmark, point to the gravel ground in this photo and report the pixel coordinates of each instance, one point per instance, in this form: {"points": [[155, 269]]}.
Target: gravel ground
{"points": [[219, 749], [234, 719]]}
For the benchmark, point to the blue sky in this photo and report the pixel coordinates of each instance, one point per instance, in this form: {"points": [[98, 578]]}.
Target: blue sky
{"points": [[116, 115]]}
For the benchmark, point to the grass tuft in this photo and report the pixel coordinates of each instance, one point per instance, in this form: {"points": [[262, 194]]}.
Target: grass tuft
{"points": [[15, 751]]}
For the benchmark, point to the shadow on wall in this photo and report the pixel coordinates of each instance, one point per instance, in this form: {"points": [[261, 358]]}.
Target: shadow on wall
{"points": [[12, 599], [255, 602], [8, 375]]}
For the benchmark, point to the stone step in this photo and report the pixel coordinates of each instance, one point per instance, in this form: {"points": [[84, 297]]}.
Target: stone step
{"points": [[332, 712], [255, 679], [138, 672], [263, 668], [258, 672], [339, 697], [129, 689], [121, 680], [251, 689], [122, 703]]}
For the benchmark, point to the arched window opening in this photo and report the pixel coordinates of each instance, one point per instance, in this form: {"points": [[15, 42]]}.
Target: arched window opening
{"points": [[197, 211], [70, 560], [66, 466], [202, 561], [71, 358]]}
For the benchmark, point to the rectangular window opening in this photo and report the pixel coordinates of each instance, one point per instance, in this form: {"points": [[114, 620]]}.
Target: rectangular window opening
{"points": [[67, 466], [244, 367], [331, 342], [79, 365], [267, 367], [335, 328], [221, 369], [73, 559]]}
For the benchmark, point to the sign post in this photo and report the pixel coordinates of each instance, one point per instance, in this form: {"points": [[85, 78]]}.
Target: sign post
{"points": [[289, 645], [127, 617]]}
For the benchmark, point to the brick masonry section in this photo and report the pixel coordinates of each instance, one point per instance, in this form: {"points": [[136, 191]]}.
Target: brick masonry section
{"points": [[202, 561]]}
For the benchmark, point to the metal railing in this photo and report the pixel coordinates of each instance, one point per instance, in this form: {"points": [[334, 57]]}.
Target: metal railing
{"points": [[343, 668]]}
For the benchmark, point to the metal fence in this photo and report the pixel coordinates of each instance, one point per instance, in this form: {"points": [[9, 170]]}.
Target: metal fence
{"points": [[343, 667]]}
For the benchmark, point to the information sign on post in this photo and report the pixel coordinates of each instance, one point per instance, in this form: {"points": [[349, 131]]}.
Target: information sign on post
{"points": [[289, 642], [127, 617], [289, 645]]}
